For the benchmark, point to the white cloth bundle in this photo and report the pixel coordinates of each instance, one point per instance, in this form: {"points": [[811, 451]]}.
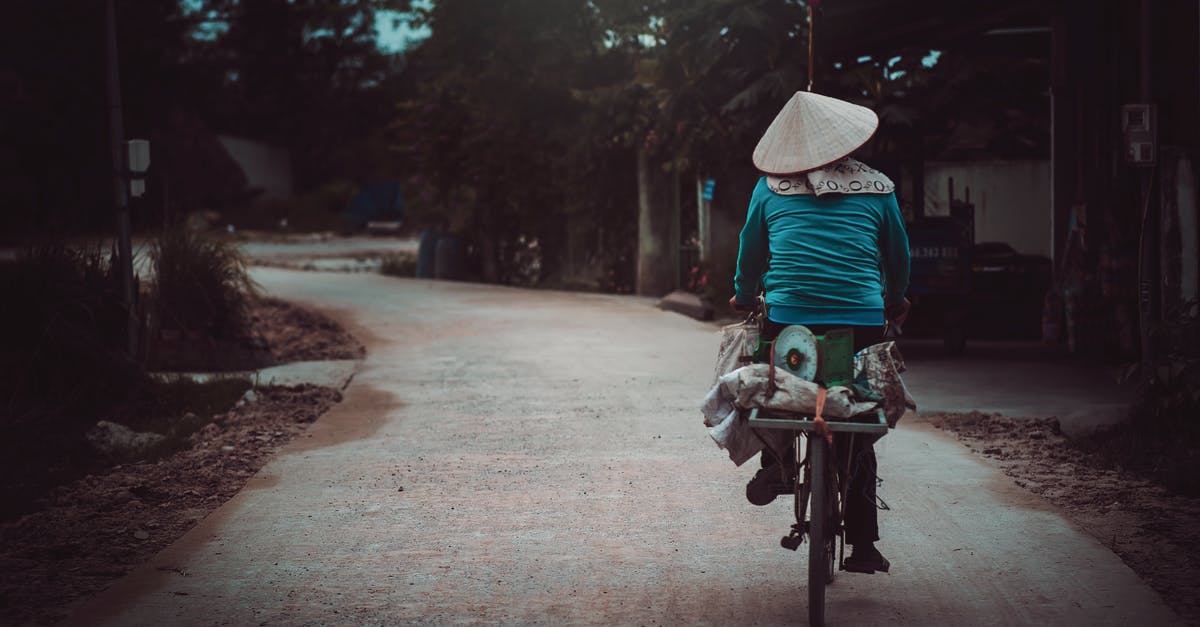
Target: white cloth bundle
{"points": [[738, 343], [748, 387]]}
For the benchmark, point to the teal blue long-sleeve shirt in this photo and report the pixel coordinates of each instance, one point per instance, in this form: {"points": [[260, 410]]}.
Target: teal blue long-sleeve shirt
{"points": [[831, 259]]}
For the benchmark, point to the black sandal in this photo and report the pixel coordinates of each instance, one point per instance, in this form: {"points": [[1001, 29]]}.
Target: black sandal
{"points": [[866, 559]]}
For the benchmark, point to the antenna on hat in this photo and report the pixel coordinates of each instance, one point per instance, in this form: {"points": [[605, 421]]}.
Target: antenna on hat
{"points": [[812, 4]]}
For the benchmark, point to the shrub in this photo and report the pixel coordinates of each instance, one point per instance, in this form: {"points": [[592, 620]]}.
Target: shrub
{"points": [[399, 264], [62, 362], [159, 406], [1161, 439], [200, 285], [62, 335]]}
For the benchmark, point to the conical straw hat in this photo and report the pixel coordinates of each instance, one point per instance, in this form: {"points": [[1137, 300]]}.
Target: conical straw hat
{"points": [[813, 131]]}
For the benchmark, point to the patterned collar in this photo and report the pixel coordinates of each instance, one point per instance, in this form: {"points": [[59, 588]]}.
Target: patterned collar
{"points": [[846, 176]]}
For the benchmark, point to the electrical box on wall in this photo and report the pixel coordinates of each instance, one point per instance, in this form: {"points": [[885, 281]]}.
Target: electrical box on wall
{"points": [[1138, 124]]}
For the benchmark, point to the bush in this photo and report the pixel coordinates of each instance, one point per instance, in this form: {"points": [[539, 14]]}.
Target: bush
{"points": [[399, 264], [200, 286], [62, 336], [1161, 439], [158, 407], [62, 363]]}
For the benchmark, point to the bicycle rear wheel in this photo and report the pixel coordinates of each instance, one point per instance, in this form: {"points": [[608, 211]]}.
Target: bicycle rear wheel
{"points": [[818, 529]]}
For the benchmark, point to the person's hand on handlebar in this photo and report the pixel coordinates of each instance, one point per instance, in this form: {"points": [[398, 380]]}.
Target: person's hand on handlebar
{"points": [[898, 313], [740, 306]]}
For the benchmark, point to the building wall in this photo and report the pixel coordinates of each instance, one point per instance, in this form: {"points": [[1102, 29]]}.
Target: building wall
{"points": [[266, 167], [1011, 198]]}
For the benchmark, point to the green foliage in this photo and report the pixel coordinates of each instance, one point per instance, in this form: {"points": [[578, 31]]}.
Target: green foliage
{"points": [[1161, 439], [399, 264], [53, 73], [720, 72], [305, 74], [515, 120], [62, 333], [527, 121], [973, 104], [200, 285], [511, 135], [160, 406], [62, 359]]}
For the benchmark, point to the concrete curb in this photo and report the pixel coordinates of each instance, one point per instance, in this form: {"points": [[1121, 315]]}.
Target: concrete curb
{"points": [[335, 374], [688, 304]]}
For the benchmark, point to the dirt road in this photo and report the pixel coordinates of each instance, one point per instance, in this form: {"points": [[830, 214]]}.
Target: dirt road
{"points": [[520, 457]]}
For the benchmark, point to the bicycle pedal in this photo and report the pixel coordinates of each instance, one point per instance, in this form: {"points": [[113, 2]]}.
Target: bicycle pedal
{"points": [[791, 542]]}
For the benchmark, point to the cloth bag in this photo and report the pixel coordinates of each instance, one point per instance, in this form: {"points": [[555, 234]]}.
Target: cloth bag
{"points": [[877, 368], [750, 386], [738, 343]]}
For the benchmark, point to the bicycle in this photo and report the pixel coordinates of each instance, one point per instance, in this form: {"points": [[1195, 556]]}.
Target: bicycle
{"points": [[820, 490], [820, 494]]}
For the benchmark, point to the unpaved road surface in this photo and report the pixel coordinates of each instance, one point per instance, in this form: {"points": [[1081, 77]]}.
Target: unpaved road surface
{"points": [[519, 457]]}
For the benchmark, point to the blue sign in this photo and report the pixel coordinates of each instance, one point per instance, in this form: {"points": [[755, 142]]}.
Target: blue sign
{"points": [[709, 184]]}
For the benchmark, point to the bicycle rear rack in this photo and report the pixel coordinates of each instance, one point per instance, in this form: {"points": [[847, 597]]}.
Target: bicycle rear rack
{"points": [[799, 422]]}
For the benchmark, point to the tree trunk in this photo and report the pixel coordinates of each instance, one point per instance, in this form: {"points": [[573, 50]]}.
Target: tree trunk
{"points": [[655, 264]]}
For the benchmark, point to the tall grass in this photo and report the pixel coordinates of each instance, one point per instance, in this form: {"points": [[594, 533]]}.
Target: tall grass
{"points": [[1161, 439], [62, 328], [62, 362], [399, 264], [200, 285]]}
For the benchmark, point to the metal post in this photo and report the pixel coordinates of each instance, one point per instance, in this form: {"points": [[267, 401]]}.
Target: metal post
{"points": [[116, 138], [703, 216], [1148, 262], [702, 251], [811, 44], [1053, 177], [676, 248]]}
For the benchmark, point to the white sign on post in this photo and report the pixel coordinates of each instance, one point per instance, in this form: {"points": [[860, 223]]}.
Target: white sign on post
{"points": [[137, 153]]}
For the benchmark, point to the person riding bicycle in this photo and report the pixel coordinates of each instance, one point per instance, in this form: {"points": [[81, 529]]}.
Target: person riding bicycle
{"points": [[825, 238]]}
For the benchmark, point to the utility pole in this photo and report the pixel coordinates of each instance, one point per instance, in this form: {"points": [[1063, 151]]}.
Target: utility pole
{"points": [[704, 196], [116, 140], [1148, 263]]}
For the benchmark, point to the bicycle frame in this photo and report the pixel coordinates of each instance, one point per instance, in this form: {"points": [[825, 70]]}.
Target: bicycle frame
{"points": [[818, 483]]}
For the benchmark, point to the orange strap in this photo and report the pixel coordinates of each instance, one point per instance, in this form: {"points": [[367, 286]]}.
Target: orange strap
{"points": [[771, 373], [819, 426]]}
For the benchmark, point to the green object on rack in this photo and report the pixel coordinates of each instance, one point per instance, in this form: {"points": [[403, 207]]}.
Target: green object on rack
{"points": [[837, 357], [835, 366]]}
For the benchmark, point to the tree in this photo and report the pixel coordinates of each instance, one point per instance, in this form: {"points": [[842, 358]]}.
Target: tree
{"points": [[305, 74], [526, 116], [515, 127], [55, 147], [719, 70]]}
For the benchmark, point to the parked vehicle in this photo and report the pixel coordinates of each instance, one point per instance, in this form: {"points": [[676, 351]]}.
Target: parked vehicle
{"points": [[984, 291], [1007, 292], [940, 282]]}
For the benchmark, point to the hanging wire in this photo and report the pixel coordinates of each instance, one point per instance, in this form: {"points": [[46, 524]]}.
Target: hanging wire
{"points": [[811, 6]]}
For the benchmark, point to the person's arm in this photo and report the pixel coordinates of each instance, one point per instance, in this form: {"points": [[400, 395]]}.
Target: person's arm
{"points": [[893, 250], [753, 248]]}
